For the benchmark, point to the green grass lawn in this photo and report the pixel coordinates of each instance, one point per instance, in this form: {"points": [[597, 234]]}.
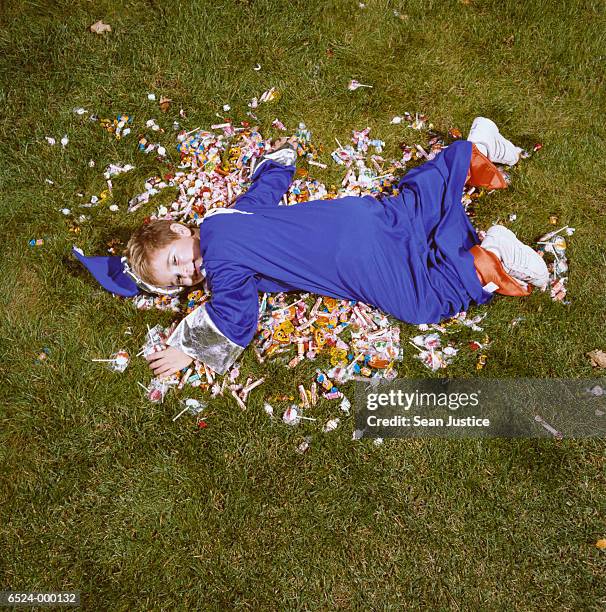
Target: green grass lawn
{"points": [[103, 493]]}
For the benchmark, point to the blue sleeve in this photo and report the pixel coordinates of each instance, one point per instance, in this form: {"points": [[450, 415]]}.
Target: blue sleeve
{"points": [[234, 304], [270, 182]]}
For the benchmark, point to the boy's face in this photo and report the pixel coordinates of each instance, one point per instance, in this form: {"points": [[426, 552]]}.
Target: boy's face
{"points": [[179, 263]]}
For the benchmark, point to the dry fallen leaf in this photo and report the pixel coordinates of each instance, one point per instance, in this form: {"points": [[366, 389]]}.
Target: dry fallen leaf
{"points": [[601, 544], [164, 103], [598, 359], [100, 28]]}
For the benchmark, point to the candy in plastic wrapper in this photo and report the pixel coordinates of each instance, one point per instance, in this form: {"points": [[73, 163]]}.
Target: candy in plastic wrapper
{"points": [[353, 85], [304, 446], [345, 405], [192, 405], [158, 388], [120, 361], [596, 391], [291, 416], [271, 95], [331, 425], [276, 123], [117, 362]]}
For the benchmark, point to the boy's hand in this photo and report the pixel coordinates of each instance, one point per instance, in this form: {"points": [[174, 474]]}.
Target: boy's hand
{"points": [[168, 361]]}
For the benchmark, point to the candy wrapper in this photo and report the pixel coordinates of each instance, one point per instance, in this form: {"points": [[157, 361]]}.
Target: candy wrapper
{"points": [[554, 243]]}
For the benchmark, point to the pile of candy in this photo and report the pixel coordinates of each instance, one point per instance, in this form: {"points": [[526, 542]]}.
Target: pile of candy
{"points": [[356, 338]]}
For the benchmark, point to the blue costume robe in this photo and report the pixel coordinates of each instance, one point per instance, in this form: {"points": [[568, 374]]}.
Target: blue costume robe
{"points": [[407, 254]]}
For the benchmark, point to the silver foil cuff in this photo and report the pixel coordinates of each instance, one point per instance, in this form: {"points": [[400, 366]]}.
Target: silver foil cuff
{"points": [[199, 337]]}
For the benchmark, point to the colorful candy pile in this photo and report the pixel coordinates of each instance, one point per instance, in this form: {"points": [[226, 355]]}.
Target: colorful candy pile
{"points": [[355, 337]]}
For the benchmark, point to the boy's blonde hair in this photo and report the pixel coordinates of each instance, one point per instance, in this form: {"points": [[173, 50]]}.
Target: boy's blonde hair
{"points": [[144, 243]]}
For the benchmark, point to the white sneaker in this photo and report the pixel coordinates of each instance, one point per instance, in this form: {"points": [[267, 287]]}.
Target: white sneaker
{"points": [[285, 155], [518, 259], [485, 134]]}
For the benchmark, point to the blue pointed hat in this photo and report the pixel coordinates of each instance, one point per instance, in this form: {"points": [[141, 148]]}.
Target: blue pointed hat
{"points": [[115, 275]]}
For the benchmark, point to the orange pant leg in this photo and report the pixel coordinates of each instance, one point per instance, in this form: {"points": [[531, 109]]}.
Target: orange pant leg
{"points": [[483, 173], [490, 270]]}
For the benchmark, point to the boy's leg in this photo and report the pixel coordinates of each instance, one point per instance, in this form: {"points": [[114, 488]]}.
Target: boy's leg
{"points": [[509, 263], [489, 147], [485, 134], [483, 173]]}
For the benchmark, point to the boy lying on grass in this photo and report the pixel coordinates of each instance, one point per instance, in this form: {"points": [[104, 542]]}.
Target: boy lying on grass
{"points": [[414, 255]]}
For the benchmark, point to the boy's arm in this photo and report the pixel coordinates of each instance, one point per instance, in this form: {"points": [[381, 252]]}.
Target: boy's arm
{"points": [[217, 332], [270, 180]]}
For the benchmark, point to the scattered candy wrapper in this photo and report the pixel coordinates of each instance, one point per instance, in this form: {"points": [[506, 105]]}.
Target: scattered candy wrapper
{"points": [[596, 391], [345, 406], [304, 446], [158, 388], [555, 245], [331, 425], [191, 405], [271, 95], [353, 85], [291, 416]]}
